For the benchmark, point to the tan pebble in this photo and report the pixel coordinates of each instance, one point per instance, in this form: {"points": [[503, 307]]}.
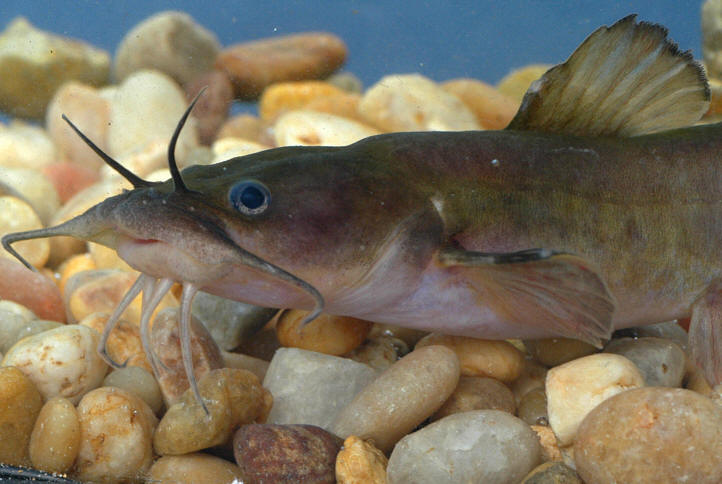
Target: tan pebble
{"points": [[124, 344], [515, 84], [206, 354], [533, 407], [227, 148], [145, 111], [286, 453], [556, 351], [548, 441], [552, 473], [493, 110], [311, 128], [116, 431], [359, 462], [347, 81], [477, 393], [11, 332], [138, 381], [575, 388], [24, 145], [142, 160], [18, 216], [56, 436], [194, 468], [245, 126], [33, 187], [253, 66], [289, 96], [20, 404], [171, 42], [31, 289], [533, 376], [379, 352], [212, 107], [695, 380], [107, 258], [233, 398], [332, 335], [90, 112], [652, 434], [413, 102], [17, 309], [401, 397], [61, 362], [344, 105], [61, 248], [73, 265], [239, 361], [479, 357]]}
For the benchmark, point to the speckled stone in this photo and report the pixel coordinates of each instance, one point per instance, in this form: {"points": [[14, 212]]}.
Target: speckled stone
{"points": [[488, 446], [651, 435], [33, 64], [359, 462], [662, 362]]}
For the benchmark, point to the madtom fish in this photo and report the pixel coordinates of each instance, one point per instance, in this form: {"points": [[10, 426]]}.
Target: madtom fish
{"points": [[598, 207]]}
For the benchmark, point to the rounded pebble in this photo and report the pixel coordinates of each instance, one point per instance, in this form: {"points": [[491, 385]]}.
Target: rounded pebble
{"points": [[359, 462], [515, 84], [413, 102], [402, 397], [61, 362], [288, 96], [651, 434], [533, 376], [194, 468], [477, 393], [244, 126], [232, 397], [124, 345], [31, 289], [55, 440], [171, 42], [70, 178], [493, 110], [24, 145], [486, 446], [479, 357], [552, 473], [379, 352], [13, 334], [548, 441], [662, 362], [286, 453], [227, 148], [332, 335], [212, 107], [34, 188], [575, 388], [252, 66], [116, 431], [533, 407], [240, 361], [17, 215], [312, 388], [20, 404], [311, 128], [557, 351], [138, 381]]}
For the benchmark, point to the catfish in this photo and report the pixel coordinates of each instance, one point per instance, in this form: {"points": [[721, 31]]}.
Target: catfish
{"points": [[599, 207]]}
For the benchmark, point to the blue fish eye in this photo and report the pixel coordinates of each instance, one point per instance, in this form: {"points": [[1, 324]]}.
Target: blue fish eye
{"points": [[250, 197]]}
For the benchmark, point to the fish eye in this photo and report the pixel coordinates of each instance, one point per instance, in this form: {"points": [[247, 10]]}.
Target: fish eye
{"points": [[250, 197]]}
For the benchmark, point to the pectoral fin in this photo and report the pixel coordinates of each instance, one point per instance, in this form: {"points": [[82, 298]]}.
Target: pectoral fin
{"points": [[705, 332], [560, 292]]}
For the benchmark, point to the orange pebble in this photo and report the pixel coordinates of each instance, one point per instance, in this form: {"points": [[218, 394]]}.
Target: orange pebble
{"points": [[287, 96], [73, 265], [332, 335], [493, 110]]}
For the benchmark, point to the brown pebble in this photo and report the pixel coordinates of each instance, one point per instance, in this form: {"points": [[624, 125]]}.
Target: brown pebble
{"points": [[379, 352], [480, 357], [244, 126], [20, 404], [194, 468], [552, 473], [56, 436], [124, 345], [233, 398], [166, 343], [402, 397], [477, 393], [652, 434], [556, 351], [533, 407], [331, 335], [359, 462], [548, 441], [254, 65], [212, 107], [286, 454]]}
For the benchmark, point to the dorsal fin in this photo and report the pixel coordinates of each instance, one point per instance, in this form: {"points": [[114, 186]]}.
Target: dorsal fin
{"points": [[623, 80]]}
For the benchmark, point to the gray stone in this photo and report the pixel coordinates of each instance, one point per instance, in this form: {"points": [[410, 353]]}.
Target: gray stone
{"points": [[488, 446], [311, 388], [13, 328], [229, 322], [662, 362]]}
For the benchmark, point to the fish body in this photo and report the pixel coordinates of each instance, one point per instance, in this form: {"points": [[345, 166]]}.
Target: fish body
{"points": [[599, 207]]}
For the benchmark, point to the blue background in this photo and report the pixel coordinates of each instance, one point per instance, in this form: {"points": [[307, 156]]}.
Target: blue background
{"points": [[442, 40]]}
